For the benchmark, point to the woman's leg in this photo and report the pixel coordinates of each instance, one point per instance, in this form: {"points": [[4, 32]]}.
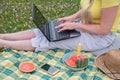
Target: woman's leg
{"points": [[18, 45], [22, 35]]}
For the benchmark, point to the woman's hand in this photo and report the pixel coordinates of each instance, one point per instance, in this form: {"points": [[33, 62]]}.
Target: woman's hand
{"points": [[66, 19], [66, 26]]}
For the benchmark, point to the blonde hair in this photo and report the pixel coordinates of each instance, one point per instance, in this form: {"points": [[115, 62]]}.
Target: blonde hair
{"points": [[86, 14]]}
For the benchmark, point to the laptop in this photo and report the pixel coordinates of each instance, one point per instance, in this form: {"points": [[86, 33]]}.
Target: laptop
{"points": [[48, 27]]}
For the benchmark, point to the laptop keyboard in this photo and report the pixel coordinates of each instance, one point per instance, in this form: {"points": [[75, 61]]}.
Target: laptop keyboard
{"points": [[58, 35], [62, 34], [46, 30]]}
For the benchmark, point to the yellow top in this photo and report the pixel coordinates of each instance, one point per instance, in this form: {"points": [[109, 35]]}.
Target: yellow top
{"points": [[96, 10]]}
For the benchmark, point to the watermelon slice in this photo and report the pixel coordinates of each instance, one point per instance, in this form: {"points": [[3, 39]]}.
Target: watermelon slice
{"points": [[81, 57], [73, 59], [80, 63], [70, 63], [27, 67]]}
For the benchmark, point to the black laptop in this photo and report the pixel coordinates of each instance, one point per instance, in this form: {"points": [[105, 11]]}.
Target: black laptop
{"points": [[48, 27]]}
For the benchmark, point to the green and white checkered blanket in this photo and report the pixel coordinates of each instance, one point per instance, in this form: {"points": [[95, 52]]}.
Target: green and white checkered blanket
{"points": [[10, 60]]}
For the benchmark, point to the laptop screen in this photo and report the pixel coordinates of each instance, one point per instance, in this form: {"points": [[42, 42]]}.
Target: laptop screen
{"points": [[37, 16]]}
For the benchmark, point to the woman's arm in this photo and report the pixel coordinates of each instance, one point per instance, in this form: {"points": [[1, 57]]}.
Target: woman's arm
{"points": [[77, 14], [108, 16], [71, 17]]}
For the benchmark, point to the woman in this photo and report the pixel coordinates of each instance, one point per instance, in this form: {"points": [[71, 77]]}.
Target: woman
{"points": [[99, 22]]}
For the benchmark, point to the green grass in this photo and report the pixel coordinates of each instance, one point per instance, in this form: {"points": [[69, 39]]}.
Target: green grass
{"points": [[15, 14]]}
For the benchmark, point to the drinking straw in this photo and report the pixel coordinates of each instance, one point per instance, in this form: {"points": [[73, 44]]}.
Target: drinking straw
{"points": [[79, 48]]}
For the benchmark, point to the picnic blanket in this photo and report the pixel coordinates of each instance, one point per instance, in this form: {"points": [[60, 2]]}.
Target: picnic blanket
{"points": [[10, 60]]}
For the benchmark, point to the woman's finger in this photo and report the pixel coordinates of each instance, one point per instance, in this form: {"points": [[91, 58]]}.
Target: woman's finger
{"points": [[60, 26], [62, 29], [60, 19]]}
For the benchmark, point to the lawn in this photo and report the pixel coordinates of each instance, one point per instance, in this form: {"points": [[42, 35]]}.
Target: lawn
{"points": [[15, 14]]}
